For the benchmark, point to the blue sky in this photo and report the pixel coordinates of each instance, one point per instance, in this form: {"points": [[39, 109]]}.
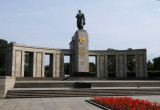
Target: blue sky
{"points": [[118, 24]]}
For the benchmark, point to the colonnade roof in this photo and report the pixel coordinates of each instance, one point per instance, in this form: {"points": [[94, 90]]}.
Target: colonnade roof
{"points": [[46, 50]]}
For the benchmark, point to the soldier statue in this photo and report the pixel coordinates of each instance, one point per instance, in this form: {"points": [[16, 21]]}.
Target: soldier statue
{"points": [[80, 20]]}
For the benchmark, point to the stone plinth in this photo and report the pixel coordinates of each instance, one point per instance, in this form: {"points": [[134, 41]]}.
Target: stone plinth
{"points": [[6, 83], [80, 57]]}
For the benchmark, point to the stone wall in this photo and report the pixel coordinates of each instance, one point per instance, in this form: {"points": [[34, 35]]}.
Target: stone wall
{"points": [[6, 83]]}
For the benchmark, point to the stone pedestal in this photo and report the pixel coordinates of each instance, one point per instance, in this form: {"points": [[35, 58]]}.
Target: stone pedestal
{"points": [[80, 56]]}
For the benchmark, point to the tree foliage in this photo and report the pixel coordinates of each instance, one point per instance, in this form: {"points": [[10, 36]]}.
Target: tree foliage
{"points": [[66, 68], [3, 45], [156, 63], [149, 65]]}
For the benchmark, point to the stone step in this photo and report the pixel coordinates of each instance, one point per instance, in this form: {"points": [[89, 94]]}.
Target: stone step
{"points": [[79, 93], [38, 79], [55, 84]]}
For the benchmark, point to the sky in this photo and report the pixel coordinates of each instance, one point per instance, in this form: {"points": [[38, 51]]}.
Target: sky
{"points": [[117, 24]]}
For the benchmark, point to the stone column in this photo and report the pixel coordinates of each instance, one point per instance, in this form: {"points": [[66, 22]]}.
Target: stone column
{"points": [[120, 66], [13, 63], [101, 66], [62, 65], [43, 64], [39, 64], [136, 58], [18, 64], [125, 66], [34, 64], [54, 65], [97, 64], [106, 66], [117, 73], [141, 71], [23, 61], [58, 65], [145, 66]]}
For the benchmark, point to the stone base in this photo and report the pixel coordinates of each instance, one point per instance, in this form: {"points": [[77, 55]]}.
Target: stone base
{"points": [[6, 83], [81, 74]]}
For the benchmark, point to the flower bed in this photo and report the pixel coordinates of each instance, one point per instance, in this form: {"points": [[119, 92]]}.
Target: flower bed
{"points": [[125, 103]]}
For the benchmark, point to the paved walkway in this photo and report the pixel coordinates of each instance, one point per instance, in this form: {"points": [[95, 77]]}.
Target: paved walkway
{"points": [[64, 103]]}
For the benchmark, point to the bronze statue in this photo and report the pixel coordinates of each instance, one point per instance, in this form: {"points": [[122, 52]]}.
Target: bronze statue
{"points": [[80, 20]]}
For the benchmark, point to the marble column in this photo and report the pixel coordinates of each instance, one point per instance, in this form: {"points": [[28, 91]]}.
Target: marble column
{"points": [[18, 64], [34, 64], [106, 66], [62, 65], [117, 73], [23, 61], [97, 64], [125, 66], [54, 65], [101, 66], [43, 65], [136, 61], [145, 66]]}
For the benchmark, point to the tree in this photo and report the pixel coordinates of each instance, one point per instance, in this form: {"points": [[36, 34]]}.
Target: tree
{"points": [[92, 67], [149, 65], [3, 45], [66, 68], [156, 65], [131, 63], [111, 63]]}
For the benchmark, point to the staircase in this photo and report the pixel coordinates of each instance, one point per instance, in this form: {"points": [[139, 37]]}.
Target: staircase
{"points": [[57, 88]]}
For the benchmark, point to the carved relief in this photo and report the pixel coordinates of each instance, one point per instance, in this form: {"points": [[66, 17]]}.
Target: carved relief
{"points": [[58, 56], [18, 53], [82, 40], [38, 55], [82, 51], [102, 58]]}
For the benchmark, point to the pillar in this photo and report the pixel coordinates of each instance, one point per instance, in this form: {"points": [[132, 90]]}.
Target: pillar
{"points": [[97, 64], [62, 65], [18, 64], [58, 65], [120, 66], [125, 66], [106, 66], [54, 65], [39, 57], [141, 66], [23, 61], [145, 66], [43, 65], [117, 72], [34, 64], [102, 66]]}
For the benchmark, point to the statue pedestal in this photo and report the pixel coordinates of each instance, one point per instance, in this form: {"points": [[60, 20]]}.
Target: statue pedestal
{"points": [[80, 57]]}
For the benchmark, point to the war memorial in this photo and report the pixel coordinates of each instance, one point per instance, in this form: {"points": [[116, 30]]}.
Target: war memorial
{"points": [[16, 85], [79, 58]]}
